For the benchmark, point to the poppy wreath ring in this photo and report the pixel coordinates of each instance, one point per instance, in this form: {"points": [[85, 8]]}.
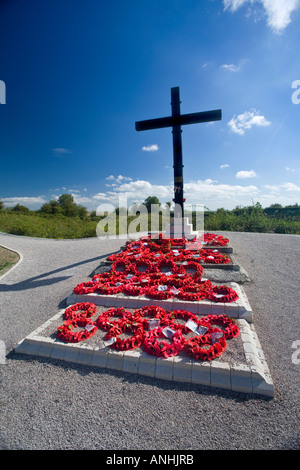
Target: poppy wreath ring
{"points": [[194, 291], [154, 292], [133, 289], [181, 315], [86, 287], [198, 269], [127, 344], [152, 311], [66, 332], [119, 263], [80, 310], [108, 288], [231, 329], [195, 347], [139, 263], [105, 321], [166, 264], [154, 347], [222, 294]]}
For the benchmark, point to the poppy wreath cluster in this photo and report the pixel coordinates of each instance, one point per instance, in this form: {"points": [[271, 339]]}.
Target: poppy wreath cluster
{"points": [[156, 341], [158, 332], [215, 240], [78, 325], [158, 271], [222, 294], [204, 348], [80, 310], [159, 285], [151, 252]]}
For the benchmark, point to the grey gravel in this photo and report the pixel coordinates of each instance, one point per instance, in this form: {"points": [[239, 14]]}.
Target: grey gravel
{"points": [[52, 405]]}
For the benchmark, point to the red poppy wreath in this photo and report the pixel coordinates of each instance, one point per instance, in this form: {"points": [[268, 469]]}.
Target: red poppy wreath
{"points": [[66, 332], [80, 310], [164, 348]]}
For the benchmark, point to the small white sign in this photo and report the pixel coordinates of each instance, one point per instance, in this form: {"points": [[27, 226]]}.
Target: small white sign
{"points": [[90, 327], [174, 291], [110, 341], [153, 323], [168, 332], [162, 288], [199, 330], [216, 336]]}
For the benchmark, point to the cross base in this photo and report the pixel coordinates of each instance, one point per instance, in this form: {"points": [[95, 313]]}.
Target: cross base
{"points": [[180, 228]]}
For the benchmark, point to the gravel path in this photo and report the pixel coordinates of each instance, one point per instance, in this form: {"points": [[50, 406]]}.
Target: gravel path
{"points": [[47, 405]]}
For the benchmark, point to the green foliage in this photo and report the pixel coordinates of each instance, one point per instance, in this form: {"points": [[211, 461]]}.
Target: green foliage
{"points": [[54, 220], [20, 208], [252, 219], [65, 205], [149, 201], [46, 226]]}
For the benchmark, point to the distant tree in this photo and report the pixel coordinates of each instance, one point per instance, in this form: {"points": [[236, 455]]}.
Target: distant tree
{"points": [[52, 207], [20, 208], [1, 205], [82, 212], [66, 201], [151, 200], [64, 205]]}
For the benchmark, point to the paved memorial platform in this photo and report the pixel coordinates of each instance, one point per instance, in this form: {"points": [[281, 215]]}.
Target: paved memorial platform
{"points": [[241, 367], [239, 309]]}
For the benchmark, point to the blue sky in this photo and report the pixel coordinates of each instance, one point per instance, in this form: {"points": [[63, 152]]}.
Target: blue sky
{"points": [[75, 76]]}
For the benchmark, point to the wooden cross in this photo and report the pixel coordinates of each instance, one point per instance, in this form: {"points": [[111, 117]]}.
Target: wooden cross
{"points": [[176, 121]]}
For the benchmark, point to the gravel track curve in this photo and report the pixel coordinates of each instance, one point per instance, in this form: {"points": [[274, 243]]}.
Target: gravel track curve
{"points": [[51, 405]]}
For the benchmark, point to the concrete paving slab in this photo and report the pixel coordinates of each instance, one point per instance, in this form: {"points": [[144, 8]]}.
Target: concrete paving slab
{"points": [[250, 375]]}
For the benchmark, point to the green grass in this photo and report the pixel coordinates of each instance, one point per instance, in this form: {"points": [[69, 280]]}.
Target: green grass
{"points": [[8, 259], [249, 219], [34, 225]]}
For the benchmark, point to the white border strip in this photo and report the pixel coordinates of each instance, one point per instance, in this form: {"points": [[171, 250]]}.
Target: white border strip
{"points": [[15, 265], [239, 309], [251, 377]]}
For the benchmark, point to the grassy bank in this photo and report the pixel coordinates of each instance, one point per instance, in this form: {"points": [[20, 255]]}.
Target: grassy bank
{"points": [[8, 259], [248, 219], [254, 219], [36, 225]]}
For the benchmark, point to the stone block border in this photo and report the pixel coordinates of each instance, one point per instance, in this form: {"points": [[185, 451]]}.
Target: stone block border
{"points": [[238, 310], [252, 376]]}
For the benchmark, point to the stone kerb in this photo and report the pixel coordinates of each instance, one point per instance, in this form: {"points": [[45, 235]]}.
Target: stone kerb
{"points": [[248, 375]]}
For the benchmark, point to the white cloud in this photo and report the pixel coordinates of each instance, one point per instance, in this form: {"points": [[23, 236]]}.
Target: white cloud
{"points": [[278, 12], [224, 166], [233, 5], [292, 170], [60, 151], [118, 179], [238, 124], [291, 187], [139, 190], [25, 201], [231, 67], [150, 148], [216, 195], [245, 174], [271, 187]]}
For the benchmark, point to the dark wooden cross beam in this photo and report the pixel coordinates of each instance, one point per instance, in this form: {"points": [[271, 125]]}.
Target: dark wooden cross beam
{"points": [[176, 121]]}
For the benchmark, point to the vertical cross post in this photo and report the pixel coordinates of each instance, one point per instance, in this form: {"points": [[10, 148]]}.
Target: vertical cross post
{"points": [[177, 154]]}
